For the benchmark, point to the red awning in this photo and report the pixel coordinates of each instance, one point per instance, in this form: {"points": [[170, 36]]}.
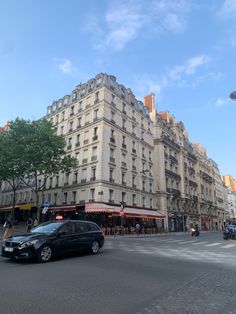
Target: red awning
{"points": [[128, 211], [63, 209]]}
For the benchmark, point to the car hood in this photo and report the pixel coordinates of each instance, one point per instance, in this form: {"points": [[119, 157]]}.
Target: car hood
{"points": [[26, 237]]}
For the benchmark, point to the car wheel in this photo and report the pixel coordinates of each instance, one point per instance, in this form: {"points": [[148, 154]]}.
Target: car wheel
{"points": [[95, 247], [44, 254]]}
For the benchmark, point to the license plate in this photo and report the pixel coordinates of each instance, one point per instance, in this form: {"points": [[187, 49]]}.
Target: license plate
{"points": [[8, 249]]}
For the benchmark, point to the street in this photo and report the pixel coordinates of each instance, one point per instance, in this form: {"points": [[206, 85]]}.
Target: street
{"points": [[142, 275]]}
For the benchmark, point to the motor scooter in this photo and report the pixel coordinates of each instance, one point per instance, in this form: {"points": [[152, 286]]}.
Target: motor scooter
{"points": [[195, 232]]}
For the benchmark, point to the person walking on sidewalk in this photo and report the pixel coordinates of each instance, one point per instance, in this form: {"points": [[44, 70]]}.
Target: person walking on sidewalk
{"points": [[8, 225]]}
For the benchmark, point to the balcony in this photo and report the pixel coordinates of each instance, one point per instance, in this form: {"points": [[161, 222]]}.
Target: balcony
{"points": [[172, 174], [111, 180], [71, 114], [123, 164], [134, 151], [111, 201], [124, 112], [113, 104], [92, 200], [92, 179], [83, 180], [79, 126], [84, 161], [173, 159], [69, 146], [134, 186], [96, 101], [113, 121], [77, 144], [86, 142], [124, 146], [134, 119], [79, 110], [95, 119], [66, 183], [87, 122], [70, 130], [73, 202], [75, 182], [124, 128], [95, 137], [123, 183], [134, 168]]}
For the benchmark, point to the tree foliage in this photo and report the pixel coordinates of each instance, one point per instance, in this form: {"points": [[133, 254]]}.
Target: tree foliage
{"points": [[33, 150]]}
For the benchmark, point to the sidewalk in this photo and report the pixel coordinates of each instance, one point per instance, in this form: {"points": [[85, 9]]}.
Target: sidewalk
{"points": [[21, 229]]}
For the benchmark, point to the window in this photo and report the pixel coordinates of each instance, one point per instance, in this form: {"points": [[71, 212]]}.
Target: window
{"points": [[123, 196], [112, 116], [74, 196], [111, 195], [78, 140], [93, 174], [79, 122], [65, 197], [95, 115], [111, 175], [134, 199], [67, 228], [74, 96], [72, 110], [92, 194], [96, 97], [61, 130]]}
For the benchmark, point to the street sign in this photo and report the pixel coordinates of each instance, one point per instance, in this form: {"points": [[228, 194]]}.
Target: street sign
{"points": [[46, 204]]}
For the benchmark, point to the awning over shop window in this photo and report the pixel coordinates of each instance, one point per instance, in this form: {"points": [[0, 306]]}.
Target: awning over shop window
{"points": [[128, 212], [63, 209]]}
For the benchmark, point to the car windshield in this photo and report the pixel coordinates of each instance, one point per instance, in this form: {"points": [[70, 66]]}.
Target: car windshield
{"points": [[48, 227]]}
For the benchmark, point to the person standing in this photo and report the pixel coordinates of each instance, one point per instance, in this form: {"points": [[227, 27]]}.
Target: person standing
{"points": [[29, 224], [8, 225]]}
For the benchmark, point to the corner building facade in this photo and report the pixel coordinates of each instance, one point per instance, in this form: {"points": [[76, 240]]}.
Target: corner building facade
{"points": [[129, 157]]}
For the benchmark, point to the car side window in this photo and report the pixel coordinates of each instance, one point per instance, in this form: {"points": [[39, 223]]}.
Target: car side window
{"points": [[93, 227], [81, 227], [67, 228]]}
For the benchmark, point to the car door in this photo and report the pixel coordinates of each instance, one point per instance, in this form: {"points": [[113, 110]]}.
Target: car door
{"points": [[66, 237], [82, 235]]}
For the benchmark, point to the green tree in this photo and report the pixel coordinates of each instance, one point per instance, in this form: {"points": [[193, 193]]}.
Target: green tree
{"points": [[40, 154], [44, 156], [11, 168]]}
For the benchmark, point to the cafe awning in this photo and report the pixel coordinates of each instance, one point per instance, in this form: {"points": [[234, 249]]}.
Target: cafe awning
{"points": [[128, 211]]}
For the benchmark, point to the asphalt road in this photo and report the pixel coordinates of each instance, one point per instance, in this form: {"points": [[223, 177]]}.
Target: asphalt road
{"points": [[145, 275]]}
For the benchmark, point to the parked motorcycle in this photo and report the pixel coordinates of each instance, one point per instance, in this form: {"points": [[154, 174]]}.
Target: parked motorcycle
{"points": [[195, 232]]}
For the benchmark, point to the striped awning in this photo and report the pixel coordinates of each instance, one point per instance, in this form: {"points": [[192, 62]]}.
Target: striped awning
{"points": [[128, 211]]}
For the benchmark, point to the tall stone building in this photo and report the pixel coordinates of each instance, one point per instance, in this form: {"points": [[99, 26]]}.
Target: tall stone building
{"points": [[132, 160]]}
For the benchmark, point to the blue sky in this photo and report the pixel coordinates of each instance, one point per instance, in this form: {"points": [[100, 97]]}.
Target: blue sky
{"points": [[184, 51]]}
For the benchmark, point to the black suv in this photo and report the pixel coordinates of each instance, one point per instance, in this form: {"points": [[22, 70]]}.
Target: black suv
{"points": [[54, 237]]}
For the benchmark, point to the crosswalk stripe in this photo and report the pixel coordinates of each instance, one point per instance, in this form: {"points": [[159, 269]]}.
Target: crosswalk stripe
{"points": [[213, 244], [228, 246]]}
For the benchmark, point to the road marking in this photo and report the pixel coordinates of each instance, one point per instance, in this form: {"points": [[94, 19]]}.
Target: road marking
{"points": [[198, 243], [213, 244], [189, 241], [228, 246]]}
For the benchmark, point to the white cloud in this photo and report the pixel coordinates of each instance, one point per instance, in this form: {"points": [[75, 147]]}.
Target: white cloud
{"points": [[125, 20], [65, 66], [179, 73], [228, 9], [220, 102]]}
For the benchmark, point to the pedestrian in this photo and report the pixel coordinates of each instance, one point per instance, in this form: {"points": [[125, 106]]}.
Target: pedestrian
{"points": [[8, 225], [36, 222], [29, 224], [137, 228]]}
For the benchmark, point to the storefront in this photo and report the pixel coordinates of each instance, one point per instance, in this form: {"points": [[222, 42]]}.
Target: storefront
{"points": [[107, 215]]}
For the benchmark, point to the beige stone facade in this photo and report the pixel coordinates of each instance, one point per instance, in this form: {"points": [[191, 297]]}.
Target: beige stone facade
{"points": [[129, 153]]}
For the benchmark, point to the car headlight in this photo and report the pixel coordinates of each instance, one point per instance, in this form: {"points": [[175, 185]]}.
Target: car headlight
{"points": [[26, 244]]}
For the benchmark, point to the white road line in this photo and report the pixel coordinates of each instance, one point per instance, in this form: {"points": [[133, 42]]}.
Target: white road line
{"points": [[189, 241], [213, 244], [228, 246], [199, 243]]}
